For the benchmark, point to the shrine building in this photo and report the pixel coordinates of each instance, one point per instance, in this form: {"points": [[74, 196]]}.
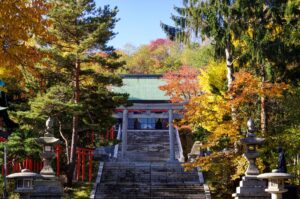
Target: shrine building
{"points": [[151, 108]]}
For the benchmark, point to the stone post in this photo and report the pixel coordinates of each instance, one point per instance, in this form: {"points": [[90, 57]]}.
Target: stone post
{"points": [[124, 132], [171, 135]]}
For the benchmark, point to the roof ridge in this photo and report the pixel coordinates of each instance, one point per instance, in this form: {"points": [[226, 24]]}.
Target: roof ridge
{"points": [[141, 75]]}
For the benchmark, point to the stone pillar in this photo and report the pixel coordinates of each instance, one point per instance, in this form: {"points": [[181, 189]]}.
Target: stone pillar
{"points": [[171, 135], [124, 132]]}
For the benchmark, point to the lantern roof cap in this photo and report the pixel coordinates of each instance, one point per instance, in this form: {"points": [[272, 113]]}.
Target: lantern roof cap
{"points": [[48, 140], [25, 173], [252, 140], [275, 175], [2, 108]]}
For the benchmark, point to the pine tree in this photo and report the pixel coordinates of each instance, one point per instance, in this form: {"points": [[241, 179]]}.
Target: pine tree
{"points": [[78, 74], [80, 29]]}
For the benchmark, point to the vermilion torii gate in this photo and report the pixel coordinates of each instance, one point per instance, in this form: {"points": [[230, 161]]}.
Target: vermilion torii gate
{"points": [[155, 110]]}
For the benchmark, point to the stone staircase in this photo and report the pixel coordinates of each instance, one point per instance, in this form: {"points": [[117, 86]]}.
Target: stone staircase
{"points": [[138, 180], [148, 146], [146, 172]]}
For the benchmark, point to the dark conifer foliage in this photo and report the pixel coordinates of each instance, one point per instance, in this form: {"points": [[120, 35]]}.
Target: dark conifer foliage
{"points": [[78, 74]]}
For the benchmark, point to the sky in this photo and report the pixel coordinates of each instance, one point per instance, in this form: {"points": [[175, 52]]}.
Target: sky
{"points": [[140, 20]]}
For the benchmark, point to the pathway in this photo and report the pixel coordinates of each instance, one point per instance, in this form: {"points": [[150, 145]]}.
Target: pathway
{"points": [[146, 173]]}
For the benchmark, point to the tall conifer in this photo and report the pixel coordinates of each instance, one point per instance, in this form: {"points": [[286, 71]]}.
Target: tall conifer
{"points": [[79, 72], [209, 20]]}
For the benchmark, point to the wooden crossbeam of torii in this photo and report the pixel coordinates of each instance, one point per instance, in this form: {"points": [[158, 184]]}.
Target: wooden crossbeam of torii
{"points": [[157, 110], [148, 115], [153, 106]]}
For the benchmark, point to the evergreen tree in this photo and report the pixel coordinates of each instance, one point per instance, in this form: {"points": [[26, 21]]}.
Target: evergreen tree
{"points": [[264, 38], [251, 31], [209, 20], [263, 32], [78, 74]]}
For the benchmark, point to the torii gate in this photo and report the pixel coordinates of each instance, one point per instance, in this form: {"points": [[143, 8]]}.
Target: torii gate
{"points": [[128, 112]]}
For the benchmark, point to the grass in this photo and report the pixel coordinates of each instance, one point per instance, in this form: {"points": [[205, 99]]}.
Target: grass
{"points": [[80, 191]]}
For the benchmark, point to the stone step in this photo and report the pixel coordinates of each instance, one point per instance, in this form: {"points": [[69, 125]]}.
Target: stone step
{"points": [[145, 172], [148, 180], [148, 146], [169, 174], [108, 196]]}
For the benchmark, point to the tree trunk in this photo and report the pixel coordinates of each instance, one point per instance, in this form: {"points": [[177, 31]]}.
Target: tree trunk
{"points": [[72, 161], [230, 77], [263, 115], [297, 163], [263, 105], [229, 66], [66, 141]]}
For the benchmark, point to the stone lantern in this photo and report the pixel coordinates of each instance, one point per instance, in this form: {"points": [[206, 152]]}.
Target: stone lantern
{"points": [[251, 142], [275, 183], [24, 182], [251, 187], [48, 154], [277, 177], [46, 184]]}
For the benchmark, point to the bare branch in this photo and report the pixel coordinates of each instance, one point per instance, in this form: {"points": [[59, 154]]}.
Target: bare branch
{"points": [[66, 141]]}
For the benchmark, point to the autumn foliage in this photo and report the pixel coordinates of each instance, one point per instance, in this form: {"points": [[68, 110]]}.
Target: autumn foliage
{"points": [[158, 43], [181, 85], [247, 91], [210, 109], [21, 22]]}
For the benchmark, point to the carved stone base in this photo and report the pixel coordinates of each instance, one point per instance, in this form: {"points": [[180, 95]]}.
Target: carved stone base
{"points": [[47, 189], [251, 188]]}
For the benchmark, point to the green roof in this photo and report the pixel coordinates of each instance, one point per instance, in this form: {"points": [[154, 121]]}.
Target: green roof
{"points": [[142, 87]]}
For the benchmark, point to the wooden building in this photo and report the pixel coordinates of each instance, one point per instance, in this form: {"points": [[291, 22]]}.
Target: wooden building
{"points": [[151, 108]]}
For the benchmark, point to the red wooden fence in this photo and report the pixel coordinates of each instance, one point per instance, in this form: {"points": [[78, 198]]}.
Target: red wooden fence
{"points": [[110, 134], [84, 159], [14, 166]]}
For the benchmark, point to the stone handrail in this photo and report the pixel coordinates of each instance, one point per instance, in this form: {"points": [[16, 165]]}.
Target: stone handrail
{"points": [[117, 145], [181, 156], [98, 179]]}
